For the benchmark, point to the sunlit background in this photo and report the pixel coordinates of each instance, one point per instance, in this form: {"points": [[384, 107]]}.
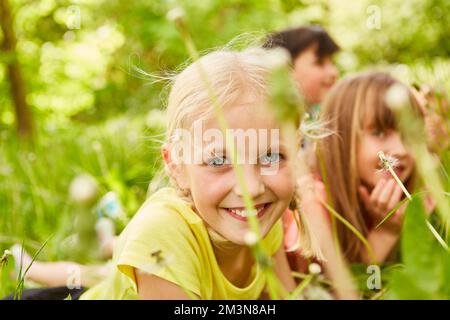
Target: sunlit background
{"points": [[86, 109]]}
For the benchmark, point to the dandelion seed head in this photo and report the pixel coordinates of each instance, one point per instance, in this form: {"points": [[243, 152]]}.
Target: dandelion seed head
{"points": [[393, 161], [314, 268], [397, 96], [83, 189], [387, 161], [6, 254], [175, 14], [250, 238], [4, 258]]}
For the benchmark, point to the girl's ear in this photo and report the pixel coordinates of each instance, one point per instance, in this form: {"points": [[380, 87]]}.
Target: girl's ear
{"points": [[177, 170], [165, 152]]}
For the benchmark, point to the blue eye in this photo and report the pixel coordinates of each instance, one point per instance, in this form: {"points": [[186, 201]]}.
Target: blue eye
{"points": [[217, 161], [270, 158]]}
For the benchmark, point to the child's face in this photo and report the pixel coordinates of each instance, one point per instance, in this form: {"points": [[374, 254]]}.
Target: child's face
{"points": [[373, 140], [314, 76], [213, 185]]}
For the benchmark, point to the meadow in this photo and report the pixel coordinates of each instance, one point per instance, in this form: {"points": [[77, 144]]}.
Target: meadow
{"points": [[92, 115]]}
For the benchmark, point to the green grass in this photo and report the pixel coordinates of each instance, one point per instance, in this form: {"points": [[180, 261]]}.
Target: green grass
{"points": [[121, 154]]}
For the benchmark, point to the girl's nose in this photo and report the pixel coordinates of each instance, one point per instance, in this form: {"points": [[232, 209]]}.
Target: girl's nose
{"points": [[332, 71], [253, 181], [396, 146]]}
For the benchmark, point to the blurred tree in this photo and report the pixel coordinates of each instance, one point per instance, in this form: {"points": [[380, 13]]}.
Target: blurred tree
{"points": [[86, 73], [17, 84]]}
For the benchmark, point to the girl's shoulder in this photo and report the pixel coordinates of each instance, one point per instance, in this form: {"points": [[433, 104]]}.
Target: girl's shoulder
{"points": [[163, 212]]}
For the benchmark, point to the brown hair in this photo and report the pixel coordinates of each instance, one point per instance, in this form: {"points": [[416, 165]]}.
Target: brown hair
{"points": [[344, 111], [297, 40]]}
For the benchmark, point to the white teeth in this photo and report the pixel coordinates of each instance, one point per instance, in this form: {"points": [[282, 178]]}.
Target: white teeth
{"points": [[246, 213]]}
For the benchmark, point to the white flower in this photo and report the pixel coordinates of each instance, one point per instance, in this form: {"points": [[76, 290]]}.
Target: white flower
{"points": [[387, 161], [83, 189], [175, 14], [397, 96], [314, 268], [250, 238]]}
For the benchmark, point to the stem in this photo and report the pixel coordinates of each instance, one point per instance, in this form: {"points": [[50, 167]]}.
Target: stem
{"points": [[437, 236], [354, 230], [21, 277], [298, 291], [330, 198], [302, 276], [273, 282], [394, 175], [249, 205], [390, 213]]}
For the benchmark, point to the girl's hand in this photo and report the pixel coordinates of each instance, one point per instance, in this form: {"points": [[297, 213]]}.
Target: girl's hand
{"points": [[437, 135], [313, 192], [383, 198], [429, 204]]}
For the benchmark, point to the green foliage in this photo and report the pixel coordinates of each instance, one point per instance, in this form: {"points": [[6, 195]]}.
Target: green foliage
{"points": [[122, 155], [426, 269], [96, 115]]}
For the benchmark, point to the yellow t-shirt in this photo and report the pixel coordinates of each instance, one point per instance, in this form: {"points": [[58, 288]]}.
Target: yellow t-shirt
{"points": [[167, 225]]}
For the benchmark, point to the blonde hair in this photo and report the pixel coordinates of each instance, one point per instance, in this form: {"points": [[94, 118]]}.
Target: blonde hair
{"points": [[344, 110], [231, 75]]}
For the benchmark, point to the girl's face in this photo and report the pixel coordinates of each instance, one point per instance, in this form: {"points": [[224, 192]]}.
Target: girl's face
{"points": [[314, 76], [215, 191], [371, 141]]}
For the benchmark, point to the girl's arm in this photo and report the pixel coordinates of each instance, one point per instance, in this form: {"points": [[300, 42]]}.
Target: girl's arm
{"points": [[382, 242], [335, 266], [383, 198], [151, 287]]}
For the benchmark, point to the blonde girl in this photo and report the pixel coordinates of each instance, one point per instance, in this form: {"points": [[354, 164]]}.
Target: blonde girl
{"points": [[190, 240]]}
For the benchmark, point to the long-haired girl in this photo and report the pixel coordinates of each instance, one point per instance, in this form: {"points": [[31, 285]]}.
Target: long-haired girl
{"points": [[191, 239], [347, 162]]}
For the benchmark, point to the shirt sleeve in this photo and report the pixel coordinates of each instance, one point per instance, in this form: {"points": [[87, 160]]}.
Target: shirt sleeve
{"points": [[160, 242]]}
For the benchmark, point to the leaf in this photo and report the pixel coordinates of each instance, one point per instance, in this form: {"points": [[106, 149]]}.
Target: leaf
{"points": [[427, 267], [390, 213]]}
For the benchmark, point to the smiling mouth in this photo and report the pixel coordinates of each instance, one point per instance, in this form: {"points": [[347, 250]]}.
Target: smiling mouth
{"points": [[240, 213], [328, 84]]}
